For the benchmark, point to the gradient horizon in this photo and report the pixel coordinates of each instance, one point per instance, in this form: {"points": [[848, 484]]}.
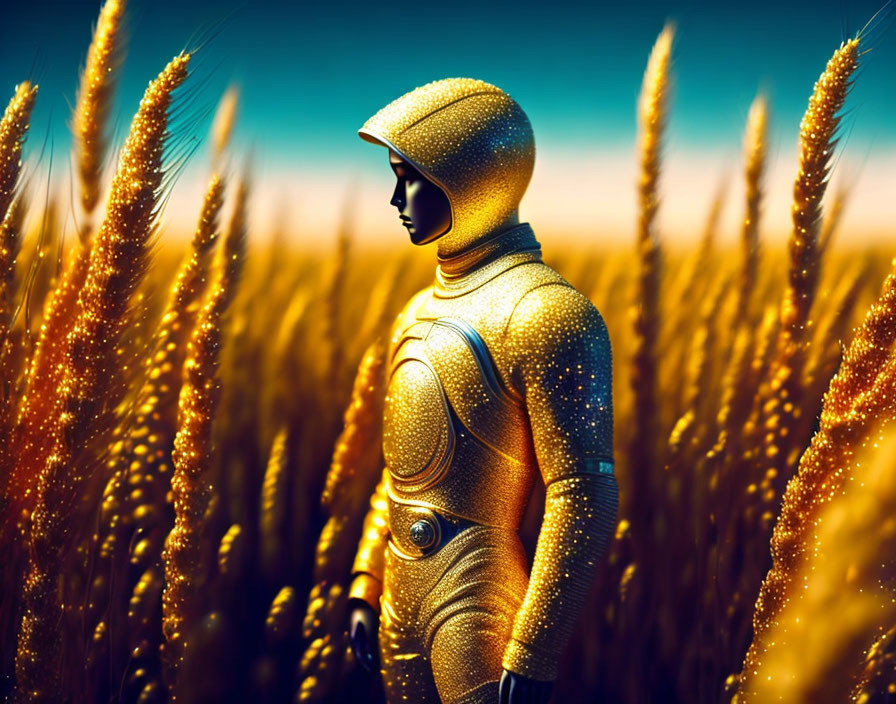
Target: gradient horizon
{"points": [[309, 78]]}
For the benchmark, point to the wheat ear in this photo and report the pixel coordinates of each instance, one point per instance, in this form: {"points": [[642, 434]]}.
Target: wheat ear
{"points": [[754, 157], [89, 122], [117, 264], [652, 109], [13, 128], [199, 395]]}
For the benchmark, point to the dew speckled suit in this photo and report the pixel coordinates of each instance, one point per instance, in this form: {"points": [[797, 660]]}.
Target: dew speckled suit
{"points": [[497, 371]]}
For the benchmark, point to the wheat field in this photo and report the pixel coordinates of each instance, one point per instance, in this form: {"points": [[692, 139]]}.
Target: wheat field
{"points": [[189, 440]]}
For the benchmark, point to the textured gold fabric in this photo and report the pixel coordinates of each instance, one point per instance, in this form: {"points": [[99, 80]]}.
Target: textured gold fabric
{"points": [[498, 372], [470, 138], [446, 619]]}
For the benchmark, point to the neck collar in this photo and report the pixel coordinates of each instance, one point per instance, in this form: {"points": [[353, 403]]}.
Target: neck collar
{"points": [[483, 261]]}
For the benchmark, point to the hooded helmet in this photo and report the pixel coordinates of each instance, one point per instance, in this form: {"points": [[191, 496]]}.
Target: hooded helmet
{"points": [[472, 140]]}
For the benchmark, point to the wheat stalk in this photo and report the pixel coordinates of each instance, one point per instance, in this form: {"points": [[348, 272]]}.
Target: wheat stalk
{"points": [[199, 394], [808, 656], [222, 126], [686, 434], [320, 660], [42, 263], [354, 471], [10, 244], [867, 353], [283, 357], [89, 122], [13, 128], [829, 340], [152, 430], [282, 616], [139, 458], [818, 130], [754, 156], [652, 109], [272, 511], [40, 401], [89, 125], [816, 145], [741, 377], [857, 394], [117, 263]]}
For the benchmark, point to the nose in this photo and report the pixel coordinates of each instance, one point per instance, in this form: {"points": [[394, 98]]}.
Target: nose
{"points": [[398, 196]]}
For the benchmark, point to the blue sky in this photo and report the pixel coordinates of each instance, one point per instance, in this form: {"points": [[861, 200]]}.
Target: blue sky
{"points": [[311, 73]]}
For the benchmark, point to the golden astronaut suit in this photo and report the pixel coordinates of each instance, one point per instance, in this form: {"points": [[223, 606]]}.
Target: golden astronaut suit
{"points": [[498, 370]]}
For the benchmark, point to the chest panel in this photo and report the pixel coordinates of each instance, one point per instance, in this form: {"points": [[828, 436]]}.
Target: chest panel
{"points": [[444, 390], [418, 435]]}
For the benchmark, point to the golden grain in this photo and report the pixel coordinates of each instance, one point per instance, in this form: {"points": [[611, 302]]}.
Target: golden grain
{"points": [[13, 128], [271, 483], [754, 166], [94, 102], [190, 486], [225, 118], [117, 263], [652, 109]]}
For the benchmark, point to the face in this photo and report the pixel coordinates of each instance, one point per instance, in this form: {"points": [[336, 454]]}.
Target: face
{"points": [[423, 207]]}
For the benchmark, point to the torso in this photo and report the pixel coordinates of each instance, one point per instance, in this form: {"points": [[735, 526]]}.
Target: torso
{"points": [[456, 434]]}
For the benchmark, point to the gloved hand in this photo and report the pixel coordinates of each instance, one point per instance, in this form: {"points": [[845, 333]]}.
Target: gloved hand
{"points": [[363, 626], [517, 689]]}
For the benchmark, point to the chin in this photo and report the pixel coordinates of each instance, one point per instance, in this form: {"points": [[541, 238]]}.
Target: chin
{"points": [[419, 239]]}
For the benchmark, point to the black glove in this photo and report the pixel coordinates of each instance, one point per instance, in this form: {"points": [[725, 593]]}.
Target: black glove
{"points": [[363, 626], [517, 689]]}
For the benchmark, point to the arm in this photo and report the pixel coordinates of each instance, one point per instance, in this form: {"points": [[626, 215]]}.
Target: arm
{"points": [[561, 363], [367, 569], [367, 580]]}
